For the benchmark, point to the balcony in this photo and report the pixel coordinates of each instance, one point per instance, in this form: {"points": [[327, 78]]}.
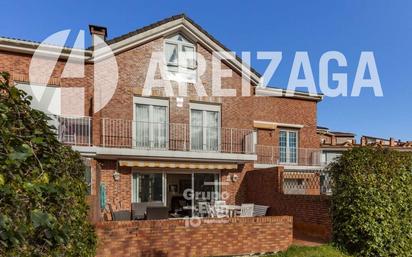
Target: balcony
{"points": [[287, 156], [75, 131], [119, 133], [130, 139]]}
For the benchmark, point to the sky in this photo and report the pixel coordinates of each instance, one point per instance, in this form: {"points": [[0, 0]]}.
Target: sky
{"points": [[348, 26]]}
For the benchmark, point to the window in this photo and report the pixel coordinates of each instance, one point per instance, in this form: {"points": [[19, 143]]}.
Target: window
{"points": [[288, 146], [179, 52], [204, 127], [171, 54], [151, 122], [148, 187]]}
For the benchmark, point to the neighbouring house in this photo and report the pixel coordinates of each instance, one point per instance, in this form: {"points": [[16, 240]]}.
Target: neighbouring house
{"points": [[334, 143], [151, 150], [384, 142]]}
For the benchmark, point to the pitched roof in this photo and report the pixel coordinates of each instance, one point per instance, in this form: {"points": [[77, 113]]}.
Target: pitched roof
{"points": [[342, 134], [322, 128], [30, 46], [326, 130], [167, 20]]}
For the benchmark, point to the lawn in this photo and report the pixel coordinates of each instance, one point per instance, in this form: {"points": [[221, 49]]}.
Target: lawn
{"points": [[318, 251]]}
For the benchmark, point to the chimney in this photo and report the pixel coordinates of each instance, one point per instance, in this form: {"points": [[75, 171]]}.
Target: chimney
{"points": [[97, 31], [363, 141], [392, 141]]}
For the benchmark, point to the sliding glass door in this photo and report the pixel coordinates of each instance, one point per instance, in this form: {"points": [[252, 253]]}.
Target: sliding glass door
{"points": [[205, 187], [204, 130], [151, 126], [288, 141], [155, 187]]}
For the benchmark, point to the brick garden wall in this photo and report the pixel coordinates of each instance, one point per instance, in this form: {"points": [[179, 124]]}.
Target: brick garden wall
{"points": [[174, 238], [310, 212]]}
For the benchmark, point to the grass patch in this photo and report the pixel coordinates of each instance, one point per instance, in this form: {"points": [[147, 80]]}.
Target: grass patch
{"points": [[304, 251]]}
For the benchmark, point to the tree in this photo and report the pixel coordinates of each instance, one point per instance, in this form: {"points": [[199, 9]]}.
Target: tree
{"points": [[372, 202], [42, 188]]}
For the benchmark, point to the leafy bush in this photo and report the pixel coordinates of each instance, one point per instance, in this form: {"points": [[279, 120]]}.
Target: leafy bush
{"points": [[42, 190], [372, 202]]}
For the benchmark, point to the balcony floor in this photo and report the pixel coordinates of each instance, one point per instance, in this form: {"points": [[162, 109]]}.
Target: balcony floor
{"points": [[132, 153]]}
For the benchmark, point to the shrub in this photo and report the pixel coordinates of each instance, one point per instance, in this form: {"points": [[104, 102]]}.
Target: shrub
{"points": [[372, 202], [42, 190]]}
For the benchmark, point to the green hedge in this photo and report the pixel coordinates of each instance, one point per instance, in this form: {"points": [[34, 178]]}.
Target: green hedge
{"points": [[42, 189], [372, 202]]}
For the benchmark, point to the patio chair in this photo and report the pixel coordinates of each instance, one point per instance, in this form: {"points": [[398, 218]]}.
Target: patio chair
{"points": [[157, 213], [246, 210], [259, 210], [139, 211], [204, 209], [220, 209], [155, 204], [119, 215]]}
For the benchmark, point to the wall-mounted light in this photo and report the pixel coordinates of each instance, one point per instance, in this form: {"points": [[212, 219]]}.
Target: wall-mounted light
{"points": [[234, 177], [116, 176]]}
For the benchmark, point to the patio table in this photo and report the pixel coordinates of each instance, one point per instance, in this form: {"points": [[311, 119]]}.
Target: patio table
{"points": [[231, 209], [191, 209]]}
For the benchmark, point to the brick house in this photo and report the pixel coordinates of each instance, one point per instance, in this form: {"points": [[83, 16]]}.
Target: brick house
{"points": [[334, 143], [151, 149]]}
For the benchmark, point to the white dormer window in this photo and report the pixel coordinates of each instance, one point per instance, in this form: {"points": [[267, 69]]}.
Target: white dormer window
{"points": [[179, 53]]}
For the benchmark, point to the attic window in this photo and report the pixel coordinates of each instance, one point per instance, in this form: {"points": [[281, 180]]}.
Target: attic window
{"points": [[179, 52]]}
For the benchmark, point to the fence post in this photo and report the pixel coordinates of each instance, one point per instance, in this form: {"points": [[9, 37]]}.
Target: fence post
{"points": [[89, 131], [231, 140], [104, 132], [184, 136], [272, 155]]}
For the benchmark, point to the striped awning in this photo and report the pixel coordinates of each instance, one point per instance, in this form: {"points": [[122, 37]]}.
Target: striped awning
{"points": [[178, 165]]}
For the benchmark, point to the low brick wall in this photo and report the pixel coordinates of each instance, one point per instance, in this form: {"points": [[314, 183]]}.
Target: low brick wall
{"points": [[213, 237], [311, 216]]}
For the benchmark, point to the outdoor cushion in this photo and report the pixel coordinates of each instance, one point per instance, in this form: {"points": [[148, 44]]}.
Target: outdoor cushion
{"points": [[157, 213], [121, 215], [139, 211]]}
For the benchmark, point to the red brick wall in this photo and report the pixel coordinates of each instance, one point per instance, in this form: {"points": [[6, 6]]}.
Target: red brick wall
{"points": [[290, 111], [310, 212], [213, 237], [118, 193], [235, 189], [18, 66], [237, 112]]}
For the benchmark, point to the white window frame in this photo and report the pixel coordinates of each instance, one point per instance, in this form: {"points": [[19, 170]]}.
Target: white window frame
{"points": [[134, 199], [180, 45], [150, 102], [288, 147], [204, 108]]}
